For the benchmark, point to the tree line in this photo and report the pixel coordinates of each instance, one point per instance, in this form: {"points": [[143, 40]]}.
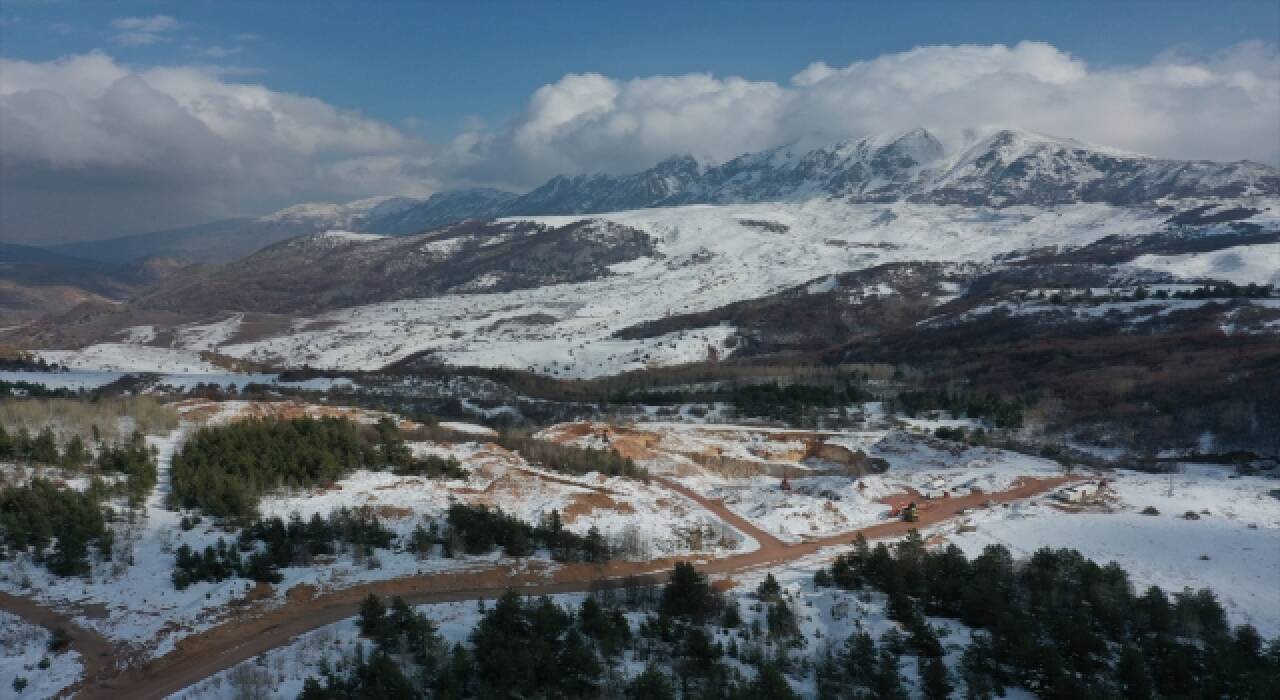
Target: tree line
{"points": [[1002, 412], [271, 544], [793, 403], [1057, 624], [535, 648], [40, 513], [479, 530], [60, 525], [571, 460], [225, 470]]}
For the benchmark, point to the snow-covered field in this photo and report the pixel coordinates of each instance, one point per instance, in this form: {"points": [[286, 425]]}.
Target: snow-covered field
{"points": [[133, 357], [706, 258], [1256, 264], [23, 649], [1233, 548]]}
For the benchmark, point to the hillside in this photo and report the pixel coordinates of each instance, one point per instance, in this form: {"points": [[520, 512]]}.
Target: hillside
{"points": [[35, 282], [338, 269], [231, 239]]}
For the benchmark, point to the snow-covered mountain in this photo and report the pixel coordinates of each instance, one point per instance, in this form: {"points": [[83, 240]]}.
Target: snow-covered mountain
{"points": [[549, 290], [1003, 169], [441, 209], [325, 216]]}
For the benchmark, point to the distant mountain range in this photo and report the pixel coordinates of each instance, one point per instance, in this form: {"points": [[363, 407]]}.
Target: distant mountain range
{"points": [[230, 239], [1005, 168], [34, 281]]}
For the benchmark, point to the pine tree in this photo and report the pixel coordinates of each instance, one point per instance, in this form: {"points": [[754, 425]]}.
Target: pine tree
{"points": [[44, 448], [771, 684], [887, 682], [769, 588], [578, 667], [687, 594], [934, 681], [372, 614], [650, 685]]}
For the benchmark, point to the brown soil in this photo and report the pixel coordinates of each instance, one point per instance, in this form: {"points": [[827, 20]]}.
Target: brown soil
{"points": [[587, 503], [301, 593], [97, 654], [393, 512]]}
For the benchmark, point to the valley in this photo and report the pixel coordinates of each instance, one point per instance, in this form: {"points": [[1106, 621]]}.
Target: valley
{"points": [[813, 390]]}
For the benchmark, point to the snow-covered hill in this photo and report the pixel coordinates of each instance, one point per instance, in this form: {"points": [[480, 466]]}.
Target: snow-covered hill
{"points": [[694, 258]]}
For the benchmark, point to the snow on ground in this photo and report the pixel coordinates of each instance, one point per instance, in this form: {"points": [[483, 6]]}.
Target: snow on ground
{"points": [[23, 648], [351, 236], [664, 523], [825, 617], [207, 336], [1131, 311], [1243, 566], [744, 466], [468, 428], [1245, 264], [1240, 535], [129, 357], [706, 258], [138, 604]]}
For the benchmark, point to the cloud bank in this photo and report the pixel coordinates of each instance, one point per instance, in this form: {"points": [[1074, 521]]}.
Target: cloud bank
{"points": [[91, 146]]}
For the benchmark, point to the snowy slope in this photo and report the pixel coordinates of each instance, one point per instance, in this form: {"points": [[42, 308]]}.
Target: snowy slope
{"points": [[701, 257], [706, 257], [1256, 264], [1234, 548]]}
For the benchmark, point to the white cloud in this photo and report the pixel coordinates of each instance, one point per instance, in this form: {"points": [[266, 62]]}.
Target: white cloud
{"points": [[142, 31], [141, 148], [89, 145], [1223, 107]]}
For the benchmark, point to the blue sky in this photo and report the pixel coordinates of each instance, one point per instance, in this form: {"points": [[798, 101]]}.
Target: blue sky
{"points": [[442, 63], [135, 115]]}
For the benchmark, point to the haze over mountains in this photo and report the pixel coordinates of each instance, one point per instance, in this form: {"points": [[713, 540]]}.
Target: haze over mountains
{"points": [[1004, 168]]}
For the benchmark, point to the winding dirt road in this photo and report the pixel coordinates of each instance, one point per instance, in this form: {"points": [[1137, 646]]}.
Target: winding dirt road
{"points": [[202, 655], [97, 653]]}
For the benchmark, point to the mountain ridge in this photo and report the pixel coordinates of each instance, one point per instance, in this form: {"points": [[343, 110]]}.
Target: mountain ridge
{"points": [[1005, 167]]}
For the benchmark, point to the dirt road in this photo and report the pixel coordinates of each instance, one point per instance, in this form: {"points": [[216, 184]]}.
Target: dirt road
{"points": [[202, 655], [97, 653]]}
